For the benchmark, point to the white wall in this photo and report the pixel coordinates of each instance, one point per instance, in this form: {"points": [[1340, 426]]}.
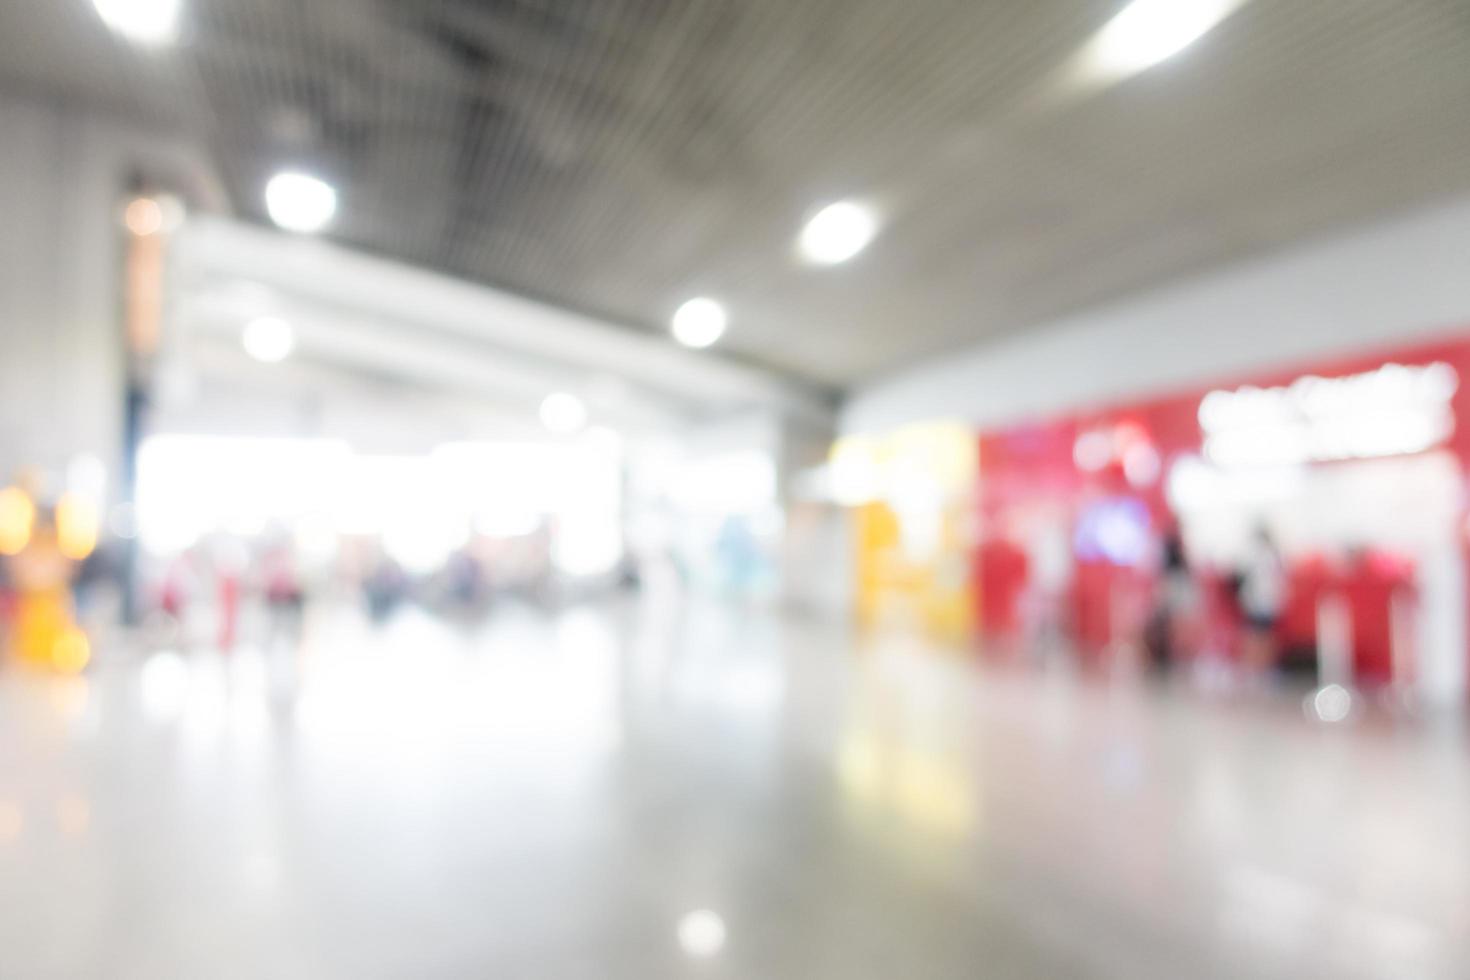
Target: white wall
{"points": [[60, 379], [523, 335], [63, 174], [1388, 283]]}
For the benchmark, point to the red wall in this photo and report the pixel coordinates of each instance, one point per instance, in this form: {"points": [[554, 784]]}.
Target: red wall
{"points": [[1031, 462]]}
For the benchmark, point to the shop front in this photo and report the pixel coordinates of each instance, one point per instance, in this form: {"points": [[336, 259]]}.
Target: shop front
{"points": [[909, 494], [1352, 472]]}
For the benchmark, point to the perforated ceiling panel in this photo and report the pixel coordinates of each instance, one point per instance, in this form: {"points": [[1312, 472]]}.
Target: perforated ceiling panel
{"points": [[619, 157]]}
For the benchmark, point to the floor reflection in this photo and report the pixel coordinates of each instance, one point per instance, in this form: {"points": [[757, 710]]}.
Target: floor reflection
{"points": [[551, 794]]}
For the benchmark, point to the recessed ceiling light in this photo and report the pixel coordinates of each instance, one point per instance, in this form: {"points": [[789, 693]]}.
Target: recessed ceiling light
{"points": [[838, 232], [699, 322], [144, 21], [1148, 31], [563, 413], [702, 934], [300, 202], [269, 339]]}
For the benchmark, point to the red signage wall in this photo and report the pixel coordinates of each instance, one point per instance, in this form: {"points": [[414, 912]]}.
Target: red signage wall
{"points": [[1035, 464]]}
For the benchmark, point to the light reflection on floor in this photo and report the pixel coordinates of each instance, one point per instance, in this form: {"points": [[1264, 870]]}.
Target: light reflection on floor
{"points": [[691, 790]]}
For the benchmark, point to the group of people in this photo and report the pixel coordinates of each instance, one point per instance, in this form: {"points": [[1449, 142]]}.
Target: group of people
{"points": [[1257, 588]]}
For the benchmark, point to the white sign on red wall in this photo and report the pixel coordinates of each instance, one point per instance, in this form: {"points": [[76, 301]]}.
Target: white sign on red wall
{"points": [[1390, 411]]}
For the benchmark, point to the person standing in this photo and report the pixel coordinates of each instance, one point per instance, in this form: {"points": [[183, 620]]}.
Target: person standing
{"points": [[1171, 629], [1262, 598]]}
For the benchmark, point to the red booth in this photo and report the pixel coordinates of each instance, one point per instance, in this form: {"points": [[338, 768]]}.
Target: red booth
{"points": [[1356, 467]]}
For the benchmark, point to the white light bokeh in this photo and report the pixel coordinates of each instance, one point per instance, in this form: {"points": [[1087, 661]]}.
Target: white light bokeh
{"points": [[1331, 703], [1147, 32], [190, 486], [300, 202], [143, 21], [702, 934], [423, 506], [269, 339], [838, 232], [699, 322]]}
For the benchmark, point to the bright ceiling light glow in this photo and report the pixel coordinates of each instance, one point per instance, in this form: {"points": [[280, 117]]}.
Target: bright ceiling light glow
{"points": [[269, 339], [702, 934], [1147, 32], [143, 216], [838, 232], [300, 202], [563, 413], [699, 322], [144, 21]]}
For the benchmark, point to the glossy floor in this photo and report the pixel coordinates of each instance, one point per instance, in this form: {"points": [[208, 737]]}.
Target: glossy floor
{"points": [[674, 789]]}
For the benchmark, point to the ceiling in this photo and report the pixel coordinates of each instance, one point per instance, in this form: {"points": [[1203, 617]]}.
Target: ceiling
{"points": [[395, 328], [617, 157]]}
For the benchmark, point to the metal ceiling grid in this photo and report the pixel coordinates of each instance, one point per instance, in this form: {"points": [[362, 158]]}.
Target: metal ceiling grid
{"points": [[617, 157]]}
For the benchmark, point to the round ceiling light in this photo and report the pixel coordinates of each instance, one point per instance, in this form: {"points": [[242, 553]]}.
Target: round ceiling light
{"points": [[300, 202], [269, 339], [838, 232], [702, 934], [1147, 32], [563, 413], [699, 322], [143, 21]]}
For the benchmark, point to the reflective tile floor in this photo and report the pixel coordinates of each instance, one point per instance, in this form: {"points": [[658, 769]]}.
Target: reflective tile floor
{"points": [[679, 790]]}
